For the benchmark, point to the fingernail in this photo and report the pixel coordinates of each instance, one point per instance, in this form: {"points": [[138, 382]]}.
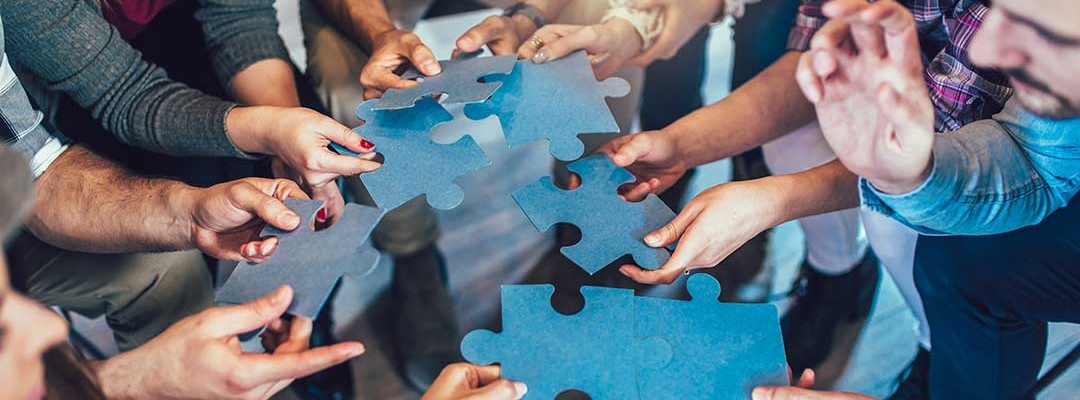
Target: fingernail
{"points": [[366, 144], [652, 239], [290, 219], [521, 389], [758, 394], [541, 57], [249, 251], [321, 215], [358, 350], [624, 272], [279, 297], [432, 67], [466, 42], [269, 248]]}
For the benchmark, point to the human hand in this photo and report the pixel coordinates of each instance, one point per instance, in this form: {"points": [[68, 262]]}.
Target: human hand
{"points": [[393, 50], [652, 157], [224, 220], [802, 391], [200, 356], [463, 381], [682, 20], [329, 193], [502, 34], [609, 45], [865, 76], [713, 225]]}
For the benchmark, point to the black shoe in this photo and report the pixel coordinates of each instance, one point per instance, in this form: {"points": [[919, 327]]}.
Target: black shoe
{"points": [[427, 337], [916, 379], [821, 304], [334, 383]]}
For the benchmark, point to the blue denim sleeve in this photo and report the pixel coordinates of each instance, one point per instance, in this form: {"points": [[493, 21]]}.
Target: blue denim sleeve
{"points": [[990, 177]]}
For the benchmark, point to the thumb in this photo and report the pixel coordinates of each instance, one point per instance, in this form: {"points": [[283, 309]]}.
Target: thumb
{"points": [[671, 232], [501, 389], [248, 198], [247, 317], [788, 393], [632, 150]]}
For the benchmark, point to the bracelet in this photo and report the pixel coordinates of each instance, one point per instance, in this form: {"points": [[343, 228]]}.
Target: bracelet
{"points": [[528, 10]]}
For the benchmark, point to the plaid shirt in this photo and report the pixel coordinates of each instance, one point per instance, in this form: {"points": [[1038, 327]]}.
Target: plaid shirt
{"points": [[961, 92]]}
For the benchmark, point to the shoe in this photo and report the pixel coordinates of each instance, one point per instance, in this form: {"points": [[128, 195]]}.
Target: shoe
{"points": [[334, 383], [821, 303], [427, 337], [915, 383]]}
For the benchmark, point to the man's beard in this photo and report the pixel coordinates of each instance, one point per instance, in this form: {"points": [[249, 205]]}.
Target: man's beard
{"points": [[1041, 100]]}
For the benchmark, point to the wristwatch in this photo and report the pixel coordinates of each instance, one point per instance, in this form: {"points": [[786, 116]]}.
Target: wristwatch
{"points": [[529, 11]]}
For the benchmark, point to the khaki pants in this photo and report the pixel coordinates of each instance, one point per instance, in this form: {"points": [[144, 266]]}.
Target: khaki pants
{"points": [[140, 295]]}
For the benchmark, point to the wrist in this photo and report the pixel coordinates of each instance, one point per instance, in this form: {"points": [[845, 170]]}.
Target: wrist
{"points": [[682, 144], [904, 185], [182, 201], [118, 380], [625, 31], [248, 128], [523, 25]]}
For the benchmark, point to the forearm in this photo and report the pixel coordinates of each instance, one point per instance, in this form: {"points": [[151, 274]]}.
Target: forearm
{"points": [[361, 20], [268, 82], [768, 106], [87, 203], [239, 34], [823, 189]]}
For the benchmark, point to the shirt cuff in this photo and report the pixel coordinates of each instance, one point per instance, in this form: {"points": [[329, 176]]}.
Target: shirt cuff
{"points": [[926, 202], [45, 156]]}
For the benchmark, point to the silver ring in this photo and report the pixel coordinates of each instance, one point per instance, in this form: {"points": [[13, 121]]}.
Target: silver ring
{"points": [[686, 272], [536, 42]]}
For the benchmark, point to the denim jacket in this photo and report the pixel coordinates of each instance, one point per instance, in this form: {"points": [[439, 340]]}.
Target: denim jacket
{"points": [[990, 177]]}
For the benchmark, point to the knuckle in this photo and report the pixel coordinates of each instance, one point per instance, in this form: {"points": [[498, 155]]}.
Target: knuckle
{"points": [[236, 381]]}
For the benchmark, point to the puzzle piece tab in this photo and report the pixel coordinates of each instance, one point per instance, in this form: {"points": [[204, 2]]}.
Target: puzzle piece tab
{"points": [[610, 226], [721, 350], [413, 164], [556, 100], [311, 262], [459, 80], [594, 351]]}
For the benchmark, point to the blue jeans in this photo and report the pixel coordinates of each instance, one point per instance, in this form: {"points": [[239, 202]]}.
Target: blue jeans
{"points": [[988, 300]]}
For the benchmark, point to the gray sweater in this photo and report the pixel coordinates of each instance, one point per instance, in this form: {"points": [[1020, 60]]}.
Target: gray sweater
{"points": [[69, 47]]}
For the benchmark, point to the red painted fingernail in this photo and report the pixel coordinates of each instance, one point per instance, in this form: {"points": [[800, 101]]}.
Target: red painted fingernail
{"points": [[321, 215], [366, 144]]}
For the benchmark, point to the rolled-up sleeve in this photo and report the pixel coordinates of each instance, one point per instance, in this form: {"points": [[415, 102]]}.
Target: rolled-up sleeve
{"points": [[70, 48], [240, 33], [990, 177], [807, 22]]}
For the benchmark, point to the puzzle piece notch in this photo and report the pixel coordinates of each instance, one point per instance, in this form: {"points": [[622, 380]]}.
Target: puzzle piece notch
{"points": [[610, 226], [535, 340], [554, 101], [309, 261], [459, 80], [413, 164], [744, 342]]}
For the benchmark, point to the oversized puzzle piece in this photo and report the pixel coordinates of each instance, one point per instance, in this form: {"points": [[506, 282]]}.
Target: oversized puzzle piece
{"points": [[413, 164], [594, 351], [720, 350], [311, 262], [556, 100], [700, 349], [610, 226], [459, 80]]}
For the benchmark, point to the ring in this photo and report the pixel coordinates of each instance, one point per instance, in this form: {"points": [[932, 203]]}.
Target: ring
{"points": [[536, 42], [686, 272]]}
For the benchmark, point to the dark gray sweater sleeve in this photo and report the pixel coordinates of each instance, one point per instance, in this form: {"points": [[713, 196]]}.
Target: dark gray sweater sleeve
{"points": [[72, 49], [240, 33]]}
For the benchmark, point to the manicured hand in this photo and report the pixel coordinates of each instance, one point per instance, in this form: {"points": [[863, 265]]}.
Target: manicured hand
{"points": [[329, 192], [802, 391], [503, 35], [393, 51], [609, 45], [225, 219], [712, 226], [682, 20], [200, 356], [652, 157], [470, 382], [865, 76]]}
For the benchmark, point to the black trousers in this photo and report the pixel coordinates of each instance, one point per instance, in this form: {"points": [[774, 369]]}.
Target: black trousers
{"points": [[988, 300]]}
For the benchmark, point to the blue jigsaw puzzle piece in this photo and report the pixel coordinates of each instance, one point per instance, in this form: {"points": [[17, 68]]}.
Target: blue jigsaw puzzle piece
{"points": [[610, 226], [459, 81], [556, 101], [594, 351], [413, 164], [309, 261], [721, 350]]}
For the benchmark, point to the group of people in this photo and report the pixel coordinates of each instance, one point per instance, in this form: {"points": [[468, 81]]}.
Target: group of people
{"points": [[144, 137]]}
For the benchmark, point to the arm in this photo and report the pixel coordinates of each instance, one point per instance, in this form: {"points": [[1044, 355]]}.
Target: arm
{"points": [[240, 35]]}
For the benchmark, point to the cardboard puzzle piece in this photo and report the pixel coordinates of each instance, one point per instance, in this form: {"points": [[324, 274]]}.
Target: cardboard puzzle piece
{"points": [[594, 351], [413, 164], [556, 101], [720, 350], [610, 226], [311, 262], [459, 81]]}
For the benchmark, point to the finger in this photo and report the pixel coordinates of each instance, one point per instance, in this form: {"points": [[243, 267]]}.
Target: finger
{"points": [[824, 63], [900, 35], [499, 390], [674, 230], [247, 317], [662, 276], [484, 33], [648, 4], [834, 35], [839, 9], [809, 82], [548, 34], [330, 194], [487, 373], [338, 133], [789, 393], [807, 380], [869, 39], [637, 147], [638, 192], [299, 336], [572, 40], [259, 369], [423, 59], [246, 196]]}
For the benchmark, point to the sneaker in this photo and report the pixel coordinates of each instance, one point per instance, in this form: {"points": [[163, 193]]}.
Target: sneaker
{"points": [[915, 383], [427, 337], [821, 304]]}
